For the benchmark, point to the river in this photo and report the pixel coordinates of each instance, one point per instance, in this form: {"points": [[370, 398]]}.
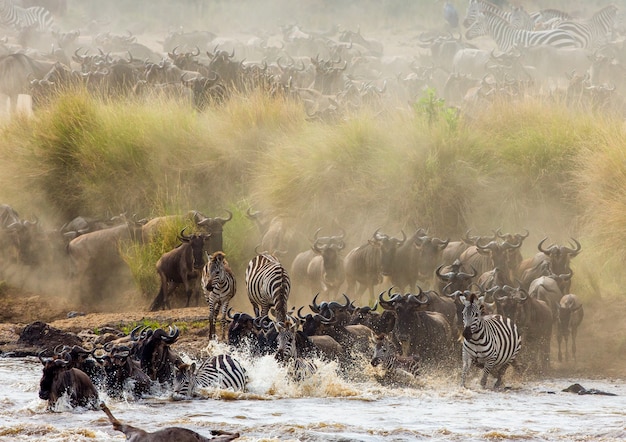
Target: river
{"points": [[328, 407]]}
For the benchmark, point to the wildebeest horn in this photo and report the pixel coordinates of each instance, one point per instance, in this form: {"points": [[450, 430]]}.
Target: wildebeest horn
{"points": [[183, 237], [39, 355], [229, 313], [315, 235], [541, 249], [414, 299], [574, 251], [402, 241], [133, 333], [58, 351], [444, 277], [224, 220], [388, 305], [420, 294], [300, 314], [315, 306], [251, 214]]}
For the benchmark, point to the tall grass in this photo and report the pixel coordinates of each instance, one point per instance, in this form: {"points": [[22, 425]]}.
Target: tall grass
{"points": [[541, 166]]}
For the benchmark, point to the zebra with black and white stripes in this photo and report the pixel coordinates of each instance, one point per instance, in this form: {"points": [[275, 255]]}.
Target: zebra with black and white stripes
{"points": [[290, 352], [18, 18], [595, 31], [268, 286], [490, 341], [507, 37], [221, 371], [219, 286], [517, 17], [387, 357]]}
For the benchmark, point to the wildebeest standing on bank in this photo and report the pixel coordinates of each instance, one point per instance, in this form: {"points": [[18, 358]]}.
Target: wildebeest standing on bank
{"points": [[181, 265]]}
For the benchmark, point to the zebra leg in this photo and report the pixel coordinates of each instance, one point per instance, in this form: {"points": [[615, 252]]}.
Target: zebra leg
{"points": [[500, 375], [483, 380], [224, 320], [212, 325], [467, 363]]}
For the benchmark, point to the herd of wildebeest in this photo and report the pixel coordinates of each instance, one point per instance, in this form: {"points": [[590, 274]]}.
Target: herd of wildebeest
{"points": [[491, 53], [414, 323], [441, 296]]}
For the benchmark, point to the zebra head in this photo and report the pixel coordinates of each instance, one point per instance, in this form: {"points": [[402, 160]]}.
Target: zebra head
{"points": [[478, 28], [213, 270], [383, 352], [184, 380], [472, 313], [286, 341]]}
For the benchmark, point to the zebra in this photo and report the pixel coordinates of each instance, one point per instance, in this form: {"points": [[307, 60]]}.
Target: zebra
{"points": [[268, 285], [593, 32], [516, 17], [290, 353], [386, 356], [221, 371], [490, 341], [219, 286], [508, 37], [13, 16]]}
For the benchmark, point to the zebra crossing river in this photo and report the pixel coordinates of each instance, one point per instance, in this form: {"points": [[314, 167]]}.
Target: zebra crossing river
{"points": [[327, 407]]}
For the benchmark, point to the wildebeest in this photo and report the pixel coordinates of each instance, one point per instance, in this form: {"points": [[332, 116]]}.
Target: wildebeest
{"points": [[16, 72], [204, 224], [367, 263], [569, 318], [557, 256], [155, 355], [533, 318], [18, 238], [123, 372], [95, 255], [321, 268], [60, 378], [181, 265], [492, 255], [178, 434], [424, 334], [276, 236]]}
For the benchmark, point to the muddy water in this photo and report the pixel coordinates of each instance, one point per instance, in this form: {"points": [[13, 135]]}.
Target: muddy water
{"points": [[328, 407]]}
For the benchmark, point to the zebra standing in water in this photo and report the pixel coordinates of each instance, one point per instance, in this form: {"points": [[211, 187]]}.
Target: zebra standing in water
{"points": [[221, 371], [268, 285], [16, 17], [219, 287], [507, 37], [490, 341]]}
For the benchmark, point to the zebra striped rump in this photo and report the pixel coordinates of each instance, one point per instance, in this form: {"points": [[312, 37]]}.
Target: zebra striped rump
{"points": [[221, 371]]}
